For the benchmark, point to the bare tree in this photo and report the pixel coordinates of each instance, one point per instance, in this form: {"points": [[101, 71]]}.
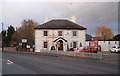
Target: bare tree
{"points": [[104, 32], [16, 37], [25, 31]]}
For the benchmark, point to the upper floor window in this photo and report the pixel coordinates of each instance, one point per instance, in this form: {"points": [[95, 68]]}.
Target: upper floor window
{"points": [[74, 33], [59, 33], [45, 33]]}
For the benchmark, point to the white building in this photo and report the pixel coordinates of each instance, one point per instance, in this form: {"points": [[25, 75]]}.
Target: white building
{"points": [[62, 34], [105, 45]]}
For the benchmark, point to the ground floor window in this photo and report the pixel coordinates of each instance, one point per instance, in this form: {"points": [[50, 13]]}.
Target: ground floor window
{"points": [[45, 44], [71, 44], [80, 44], [74, 44]]}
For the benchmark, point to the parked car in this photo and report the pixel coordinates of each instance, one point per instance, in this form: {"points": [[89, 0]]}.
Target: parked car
{"points": [[12, 45], [71, 49], [86, 49], [115, 49]]}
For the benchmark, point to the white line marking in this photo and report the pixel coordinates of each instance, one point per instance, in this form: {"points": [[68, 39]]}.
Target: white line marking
{"points": [[10, 62]]}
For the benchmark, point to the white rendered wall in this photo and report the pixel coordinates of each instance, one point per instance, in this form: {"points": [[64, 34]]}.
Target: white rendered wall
{"points": [[105, 45], [53, 35]]}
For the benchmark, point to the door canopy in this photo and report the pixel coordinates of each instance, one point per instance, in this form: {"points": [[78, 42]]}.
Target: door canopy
{"points": [[60, 38]]}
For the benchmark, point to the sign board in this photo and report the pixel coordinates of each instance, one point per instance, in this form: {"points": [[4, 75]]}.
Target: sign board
{"points": [[24, 40], [20, 44], [94, 44], [28, 46]]}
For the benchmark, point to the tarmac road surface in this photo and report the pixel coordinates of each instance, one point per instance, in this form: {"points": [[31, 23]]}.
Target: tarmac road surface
{"points": [[19, 63]]}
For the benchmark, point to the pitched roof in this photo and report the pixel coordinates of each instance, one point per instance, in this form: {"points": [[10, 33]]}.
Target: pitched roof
{"points": [[60, 24], [97, 38], [88, 37]]}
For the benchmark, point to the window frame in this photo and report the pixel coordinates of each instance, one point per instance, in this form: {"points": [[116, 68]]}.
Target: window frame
{"points": [[75, 46], [74, 33], [60, 33], [45, 33], [45, 45]]}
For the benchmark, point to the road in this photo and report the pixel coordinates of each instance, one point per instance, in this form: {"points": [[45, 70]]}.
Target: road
{"points": [[19, 63]]}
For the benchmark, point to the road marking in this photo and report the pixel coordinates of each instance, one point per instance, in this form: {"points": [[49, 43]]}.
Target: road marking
{"points": [[10, 62]]}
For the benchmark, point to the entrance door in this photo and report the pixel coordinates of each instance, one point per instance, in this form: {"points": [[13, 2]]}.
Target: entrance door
{"points": [[60, 45]]}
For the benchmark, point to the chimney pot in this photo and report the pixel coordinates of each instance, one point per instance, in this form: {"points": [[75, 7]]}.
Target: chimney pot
{"points": [[46, 19], [73, 19]]}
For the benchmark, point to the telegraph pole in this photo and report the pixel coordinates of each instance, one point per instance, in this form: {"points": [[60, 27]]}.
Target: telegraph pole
{"points": [[2, 38]]}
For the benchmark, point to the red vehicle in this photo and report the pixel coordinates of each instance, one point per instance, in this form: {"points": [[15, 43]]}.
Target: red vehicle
{"points": [[87, 49], [12, 45]]}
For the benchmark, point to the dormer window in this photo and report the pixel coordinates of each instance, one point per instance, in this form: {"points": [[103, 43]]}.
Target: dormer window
{"points": [[59, 33]]}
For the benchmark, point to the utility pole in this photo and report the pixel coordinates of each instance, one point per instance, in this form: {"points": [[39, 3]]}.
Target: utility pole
{"points": [[2, 38]]}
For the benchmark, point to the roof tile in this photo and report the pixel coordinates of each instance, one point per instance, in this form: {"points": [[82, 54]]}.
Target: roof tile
{"points": [[60, 24]]}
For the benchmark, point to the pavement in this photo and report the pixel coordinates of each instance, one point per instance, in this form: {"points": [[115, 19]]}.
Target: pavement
{"points": [[107, 56], [26, 63]]}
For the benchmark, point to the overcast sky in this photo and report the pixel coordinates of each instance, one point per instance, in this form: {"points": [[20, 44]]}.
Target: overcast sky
{"points": [[88, 14]]}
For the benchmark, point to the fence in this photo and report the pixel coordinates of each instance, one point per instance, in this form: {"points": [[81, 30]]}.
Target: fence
{"points": [[74, 54]]}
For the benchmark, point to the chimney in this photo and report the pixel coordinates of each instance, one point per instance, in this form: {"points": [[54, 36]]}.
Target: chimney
{"points": [[73, 19], [46, 19]]}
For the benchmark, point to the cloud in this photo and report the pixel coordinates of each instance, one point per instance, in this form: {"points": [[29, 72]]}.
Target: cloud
{"points": [[89, 14], [59, 0]]}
